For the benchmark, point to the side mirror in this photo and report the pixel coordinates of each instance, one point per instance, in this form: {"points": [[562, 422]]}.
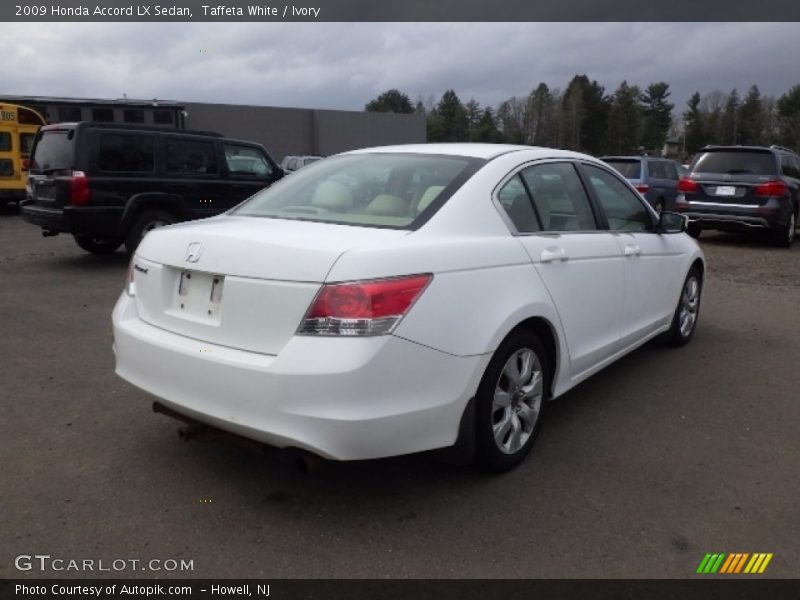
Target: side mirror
{"points": [[672, 222]]}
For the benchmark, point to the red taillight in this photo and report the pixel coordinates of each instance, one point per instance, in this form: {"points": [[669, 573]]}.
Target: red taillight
{"points": [[770, 188], [362, 307], [79, 189], [642, 188], [688, 185]]}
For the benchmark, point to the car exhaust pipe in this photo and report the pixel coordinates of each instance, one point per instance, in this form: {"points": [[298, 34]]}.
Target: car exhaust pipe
{"points": [[192, 431], [306, 461]]}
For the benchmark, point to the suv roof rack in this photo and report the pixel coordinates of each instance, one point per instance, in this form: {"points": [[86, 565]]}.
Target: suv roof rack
{"points": [[153, 128]]}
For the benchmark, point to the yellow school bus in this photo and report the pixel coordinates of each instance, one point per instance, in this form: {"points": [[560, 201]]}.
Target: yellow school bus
{"points": [[18, 127]]}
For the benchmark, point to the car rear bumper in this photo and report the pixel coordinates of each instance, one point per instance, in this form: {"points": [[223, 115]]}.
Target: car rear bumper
{"points": [[741, 217], [102, 221], [341, 398]]}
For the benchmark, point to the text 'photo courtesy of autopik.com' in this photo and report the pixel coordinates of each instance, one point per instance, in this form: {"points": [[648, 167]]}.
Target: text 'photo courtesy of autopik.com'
{"points": [[350, 300]]}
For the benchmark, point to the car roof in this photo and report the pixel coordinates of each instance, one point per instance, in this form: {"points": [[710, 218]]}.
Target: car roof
{"points": [[473, 150]]}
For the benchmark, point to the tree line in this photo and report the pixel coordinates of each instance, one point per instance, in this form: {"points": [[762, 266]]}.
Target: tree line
{"points": [[631, 120]]}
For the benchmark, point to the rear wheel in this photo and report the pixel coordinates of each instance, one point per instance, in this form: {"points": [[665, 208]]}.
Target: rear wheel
{"points": [[659, 205], [693, 230], [510, 400], [97, 245], [145, 222], [784, 236]]}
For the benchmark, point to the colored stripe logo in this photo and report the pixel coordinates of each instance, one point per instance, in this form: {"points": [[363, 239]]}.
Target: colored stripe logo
{"points": [[738, 562]]}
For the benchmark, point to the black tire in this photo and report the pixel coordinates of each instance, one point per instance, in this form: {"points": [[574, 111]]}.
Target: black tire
{"points": [[146, 221], [660, 206], [784, 237], [490, 413], [693, 230], [97, 245], [688, 302]]}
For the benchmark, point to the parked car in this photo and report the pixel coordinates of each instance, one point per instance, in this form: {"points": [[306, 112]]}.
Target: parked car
{"points": [[110, 184], [401, 299], [743, 188], [654, 178], [290, 164]]}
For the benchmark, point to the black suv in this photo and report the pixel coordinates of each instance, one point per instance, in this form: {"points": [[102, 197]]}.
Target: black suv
{"points": [[110, 184], [736, 188]]}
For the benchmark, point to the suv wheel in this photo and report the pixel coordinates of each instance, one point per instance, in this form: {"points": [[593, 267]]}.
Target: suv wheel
{"points": [[510, 400], [693, 230], [659, 205], [147, 221], [97, 245], [784, 236]]}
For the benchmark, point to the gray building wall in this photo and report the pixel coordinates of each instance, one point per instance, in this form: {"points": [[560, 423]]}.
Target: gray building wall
{"points": [[284, 131]]}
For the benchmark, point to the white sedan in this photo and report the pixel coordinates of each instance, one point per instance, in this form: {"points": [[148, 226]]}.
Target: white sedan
{"points": [[401, 299]]}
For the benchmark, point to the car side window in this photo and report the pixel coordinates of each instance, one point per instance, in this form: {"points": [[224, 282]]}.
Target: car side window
{"points": [[517, 204], [624, 210], [656, 169], [672, 170], [247, 161], [789, 166], [126, 153], [560, 201], [190, 157]]}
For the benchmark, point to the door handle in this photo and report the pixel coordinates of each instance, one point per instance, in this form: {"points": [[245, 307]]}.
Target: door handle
{"points": [[632, 250], [552, 253]]}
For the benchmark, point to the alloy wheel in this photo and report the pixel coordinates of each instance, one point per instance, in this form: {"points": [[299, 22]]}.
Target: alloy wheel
{"points": [[690, 302], [517, 400]]}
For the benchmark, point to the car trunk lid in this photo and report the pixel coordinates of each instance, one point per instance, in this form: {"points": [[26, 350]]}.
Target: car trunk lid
{"points": [[241, 282]]}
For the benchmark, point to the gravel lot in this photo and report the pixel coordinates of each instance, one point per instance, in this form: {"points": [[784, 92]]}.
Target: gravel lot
{"points": [[640, 471]]}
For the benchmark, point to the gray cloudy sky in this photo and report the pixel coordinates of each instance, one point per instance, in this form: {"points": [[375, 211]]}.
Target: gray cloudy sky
{"points": [[344, 65]]}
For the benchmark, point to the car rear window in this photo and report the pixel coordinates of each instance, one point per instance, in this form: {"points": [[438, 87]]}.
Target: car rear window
{"points": [[54, 150], [735, 162], [630, 169], [399, 191]]}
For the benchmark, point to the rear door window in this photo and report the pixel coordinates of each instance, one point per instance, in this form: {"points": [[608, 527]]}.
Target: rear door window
{"points": [[657, 170], [126, 153], [559, 199], [789, 166], [190, 157]]}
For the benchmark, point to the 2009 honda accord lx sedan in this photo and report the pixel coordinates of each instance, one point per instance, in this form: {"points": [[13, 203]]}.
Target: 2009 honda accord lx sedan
{"points": [[401, 299]]}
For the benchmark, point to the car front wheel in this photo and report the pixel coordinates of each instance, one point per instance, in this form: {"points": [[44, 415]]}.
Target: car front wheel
{"points": [[510, 400], [684, 321]]}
